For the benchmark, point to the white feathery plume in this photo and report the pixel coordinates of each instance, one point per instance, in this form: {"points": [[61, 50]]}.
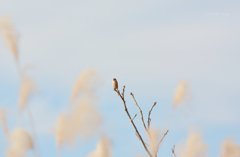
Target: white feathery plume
{"points": [[10, 36], [20, 142], [180, 93], [230, 149], [194, 146], [102, 149], [26, 89]]}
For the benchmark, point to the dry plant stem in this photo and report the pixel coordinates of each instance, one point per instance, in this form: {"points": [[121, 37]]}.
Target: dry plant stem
{"points": [[165, 134], [140, 110], [149, 114], [131, 120], [173, 151], [134, 116], [37, 151], [161, 140]]}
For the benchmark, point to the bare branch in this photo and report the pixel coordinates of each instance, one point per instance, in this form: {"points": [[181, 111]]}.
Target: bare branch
{"points": [[132, 122], [149, 114], [173, 151], [134, 116], [121, 94], [140, 110], [161, 140], [165, 134], [123, 91]]}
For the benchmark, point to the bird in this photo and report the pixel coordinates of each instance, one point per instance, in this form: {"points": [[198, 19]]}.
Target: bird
{"points": [[115, 84]]}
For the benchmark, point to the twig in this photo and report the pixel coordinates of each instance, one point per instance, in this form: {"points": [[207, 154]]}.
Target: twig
{"points": [[149, 114], [134, 116], [131, 120], [140, 110], [34, 134], [123, 91], [173, 151], [161, 140], [165, 134]]}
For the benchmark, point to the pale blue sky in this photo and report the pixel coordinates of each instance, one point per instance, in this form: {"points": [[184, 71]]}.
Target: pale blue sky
{"points": [[149, 46]]}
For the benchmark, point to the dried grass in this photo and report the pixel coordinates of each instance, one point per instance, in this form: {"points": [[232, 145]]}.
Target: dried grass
{"points": [[85, 84], [20, 142], [26, 89], [9, 35], [154, 138], [61, 130], [83, 119], [180, 93], [230, 149], [14, 152], [102, 149], [194, 146]]}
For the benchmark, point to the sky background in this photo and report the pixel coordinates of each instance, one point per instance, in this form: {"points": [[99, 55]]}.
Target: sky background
{"points": [[149, 46]]}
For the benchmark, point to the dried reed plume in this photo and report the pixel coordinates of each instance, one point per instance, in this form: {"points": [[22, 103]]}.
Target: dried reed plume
{"points": [[154, 138], [20, 142], [62, 130], [194, 147], [102, 149], [230, 149], [83, 119], [26, 89], [85, 84], [10, 36], [180, 93]]}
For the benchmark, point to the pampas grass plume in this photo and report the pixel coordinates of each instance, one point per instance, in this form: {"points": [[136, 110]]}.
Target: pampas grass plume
{"points": [[9, 35], [102, 149], [26, 89], [20, 142], [180, 93], [194, 146], [230, 149]]}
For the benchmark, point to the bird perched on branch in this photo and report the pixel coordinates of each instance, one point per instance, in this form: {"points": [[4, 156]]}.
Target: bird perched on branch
{"points": [[115, 84]]}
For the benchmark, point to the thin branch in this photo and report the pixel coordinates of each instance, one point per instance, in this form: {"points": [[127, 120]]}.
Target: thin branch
{"points": [[123, 91], [134, 116], [34, 134], [161, 140], [165, 134], [149, 114], [173, 151], [140, 110], [132, 122]]}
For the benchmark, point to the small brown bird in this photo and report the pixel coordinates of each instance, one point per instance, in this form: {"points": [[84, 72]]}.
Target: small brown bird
{"points": [[115, 84]]}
